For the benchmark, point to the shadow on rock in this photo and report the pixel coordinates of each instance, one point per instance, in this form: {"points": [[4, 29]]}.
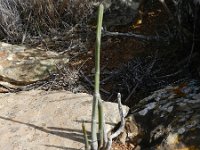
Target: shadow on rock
{"points": [[70, 135], [61, 147]]}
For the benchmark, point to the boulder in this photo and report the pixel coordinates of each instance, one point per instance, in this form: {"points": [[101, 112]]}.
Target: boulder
{"points": [[46, 120], [22, 65], [168, 119], [119, 12]]}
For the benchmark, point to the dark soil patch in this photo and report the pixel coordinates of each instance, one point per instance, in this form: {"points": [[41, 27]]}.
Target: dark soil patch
{"points": [[131, 66], [134, 67]]}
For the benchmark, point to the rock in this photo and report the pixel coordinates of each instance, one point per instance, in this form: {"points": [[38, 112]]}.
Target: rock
{"points": [[48, 120], [119, 12], [169, 118], [196, 2], [22, 65]]}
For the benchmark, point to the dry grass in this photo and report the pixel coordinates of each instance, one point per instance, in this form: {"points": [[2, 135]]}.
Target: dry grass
{"points": [[19, 17]]}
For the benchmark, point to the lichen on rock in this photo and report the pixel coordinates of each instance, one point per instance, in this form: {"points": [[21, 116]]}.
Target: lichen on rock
{"points": [[169, 118]]}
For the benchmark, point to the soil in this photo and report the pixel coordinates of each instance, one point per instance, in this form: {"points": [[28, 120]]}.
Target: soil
{"points": [[120, 54], [132, 66], [119, 146]]}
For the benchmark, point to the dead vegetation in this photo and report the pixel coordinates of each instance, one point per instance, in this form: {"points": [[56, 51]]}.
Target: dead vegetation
{"points": [[21, 18], [64, 26]]}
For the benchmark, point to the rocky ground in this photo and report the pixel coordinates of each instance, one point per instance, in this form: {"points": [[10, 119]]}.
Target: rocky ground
{"points": [[156, 73], [168, 119]]}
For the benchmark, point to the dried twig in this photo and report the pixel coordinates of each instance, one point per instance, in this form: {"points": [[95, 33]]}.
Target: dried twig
{"points": [[194, 33], [166, 7], [170, 75], [90, 82], [112, 74], [132, 91], [149, 69], [137, 36]]}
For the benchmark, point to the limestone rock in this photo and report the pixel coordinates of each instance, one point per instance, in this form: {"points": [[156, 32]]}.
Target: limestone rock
{"points": [[48, 120], [120, 12], [169, 118], [21, 65]]}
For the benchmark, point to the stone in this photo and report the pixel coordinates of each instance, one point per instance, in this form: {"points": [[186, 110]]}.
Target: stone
{"points": [[22, 65], [48, 119], [168, 122], [119, 12]]}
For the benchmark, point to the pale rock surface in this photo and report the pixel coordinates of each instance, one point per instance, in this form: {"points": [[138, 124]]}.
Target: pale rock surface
{"points": [[48, 120], [22, 65]]}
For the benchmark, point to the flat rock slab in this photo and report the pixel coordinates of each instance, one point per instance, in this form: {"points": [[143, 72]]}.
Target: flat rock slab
{"points": [[48, 120], [22, 65]]}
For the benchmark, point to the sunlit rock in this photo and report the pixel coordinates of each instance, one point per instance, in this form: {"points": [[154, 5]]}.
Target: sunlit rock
{"points": [[43, 120], [21, 65]]}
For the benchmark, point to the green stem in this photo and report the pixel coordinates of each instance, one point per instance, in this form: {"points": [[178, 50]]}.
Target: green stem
{"points": [[101, 123], [98, 46], [94, 144]]}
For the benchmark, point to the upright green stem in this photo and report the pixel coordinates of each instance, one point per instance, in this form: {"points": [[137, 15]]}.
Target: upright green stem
{"points": [[101, 123], [94, 144], [98, 46]]}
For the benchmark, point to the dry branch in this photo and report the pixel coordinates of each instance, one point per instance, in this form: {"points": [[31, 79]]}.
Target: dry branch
{"points": [[137, 36]]}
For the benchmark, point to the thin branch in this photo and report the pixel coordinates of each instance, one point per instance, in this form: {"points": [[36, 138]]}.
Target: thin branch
{"points": [[137, 36], [170, 75], [194, 30], [121, 128], [166, 7], [111, 75], [90, 82], [133, 91], [148, 70]]}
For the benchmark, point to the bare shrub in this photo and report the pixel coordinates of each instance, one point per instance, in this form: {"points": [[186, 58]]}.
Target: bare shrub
{"points": [[18, 17], [10, 21]]}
